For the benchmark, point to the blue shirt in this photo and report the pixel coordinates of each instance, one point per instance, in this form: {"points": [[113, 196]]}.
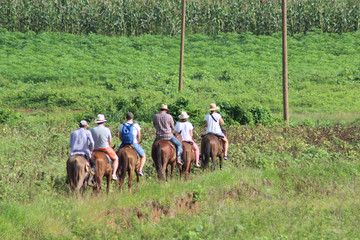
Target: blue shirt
{"points": [[81, 142]]}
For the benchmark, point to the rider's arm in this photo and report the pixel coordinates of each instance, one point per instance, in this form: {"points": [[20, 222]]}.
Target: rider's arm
{"points": [[221, 121], [138, 136], [191, 133]]}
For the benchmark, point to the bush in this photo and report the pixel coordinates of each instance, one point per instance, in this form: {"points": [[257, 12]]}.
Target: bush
{"points": [[245, 115], [9, 116]]}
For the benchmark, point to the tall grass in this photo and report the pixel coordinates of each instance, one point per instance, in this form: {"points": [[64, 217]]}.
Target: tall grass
{"points": [[133, 18]]}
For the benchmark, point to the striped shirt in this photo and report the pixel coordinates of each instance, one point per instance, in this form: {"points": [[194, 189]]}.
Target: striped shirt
{"points": [[164, 125]]}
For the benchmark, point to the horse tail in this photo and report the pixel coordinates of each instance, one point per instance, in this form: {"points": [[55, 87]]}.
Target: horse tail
{"points": [[206, 153], [124, 164], [73, 173], [158, 160]]}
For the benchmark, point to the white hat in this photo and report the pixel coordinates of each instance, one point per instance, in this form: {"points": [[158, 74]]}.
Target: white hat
{"points": [[183, 115], [100, 118], [213, 107], [164, 107], [84, 123]]}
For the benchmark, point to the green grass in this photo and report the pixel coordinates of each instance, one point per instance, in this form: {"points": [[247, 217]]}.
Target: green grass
{"points": [[299, 182], [114, 75], [280, 183]]}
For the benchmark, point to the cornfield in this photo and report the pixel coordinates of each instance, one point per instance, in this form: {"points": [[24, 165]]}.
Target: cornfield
{"points": [[137, 17]]}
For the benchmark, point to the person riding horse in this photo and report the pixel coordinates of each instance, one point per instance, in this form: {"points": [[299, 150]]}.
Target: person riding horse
{"points": [[129, 134], [102, 137], [82, 143], [213, 121], [185, 128], [164, 125]]}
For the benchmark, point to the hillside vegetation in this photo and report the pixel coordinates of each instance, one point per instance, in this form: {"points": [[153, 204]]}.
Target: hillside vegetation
{"points": [[113, 75]]}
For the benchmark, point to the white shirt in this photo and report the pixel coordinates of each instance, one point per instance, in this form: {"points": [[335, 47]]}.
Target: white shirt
{"points": [[213, 126], [136, 129], [185, 128]]}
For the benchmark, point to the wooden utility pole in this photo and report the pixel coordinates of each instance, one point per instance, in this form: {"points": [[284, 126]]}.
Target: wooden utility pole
{"points": [[182, 45], [285, 62]]}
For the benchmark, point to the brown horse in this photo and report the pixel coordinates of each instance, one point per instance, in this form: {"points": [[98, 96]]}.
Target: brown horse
{"points": [[188, 156], [211, 147], [128, 162], [163, 153], [103, 169], [78, 171]]}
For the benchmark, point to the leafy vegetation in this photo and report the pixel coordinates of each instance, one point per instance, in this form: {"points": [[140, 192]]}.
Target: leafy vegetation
{"points": [[297, 182], [134, 18]]}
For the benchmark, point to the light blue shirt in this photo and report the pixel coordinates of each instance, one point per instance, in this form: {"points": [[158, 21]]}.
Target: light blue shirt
{"points": [[81, 142]]}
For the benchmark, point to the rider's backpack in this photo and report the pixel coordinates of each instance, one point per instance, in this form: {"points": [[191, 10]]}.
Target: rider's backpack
{"points": [[127, 134]]}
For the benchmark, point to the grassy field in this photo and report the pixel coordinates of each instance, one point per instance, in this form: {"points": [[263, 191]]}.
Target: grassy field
{"points": [[281, 182], [287, 183], [113, 75]]}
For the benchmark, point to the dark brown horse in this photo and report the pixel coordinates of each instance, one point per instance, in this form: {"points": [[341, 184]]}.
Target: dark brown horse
{"points": [[103, 169], [211, 147], [78, 171], [188, 156], [163, 153], [130, 163]]}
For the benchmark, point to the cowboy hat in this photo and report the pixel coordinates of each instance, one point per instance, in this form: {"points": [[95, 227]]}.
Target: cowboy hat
{"points": [[213, 107], [164, 107], [100, 118], [184, 115], [84, 123]]}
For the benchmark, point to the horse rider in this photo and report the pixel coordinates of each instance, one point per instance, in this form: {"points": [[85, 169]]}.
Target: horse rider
{"points": [[213, 121], [185, 128], [164, 125], [82, 143], [102, 137], [129, 133]]}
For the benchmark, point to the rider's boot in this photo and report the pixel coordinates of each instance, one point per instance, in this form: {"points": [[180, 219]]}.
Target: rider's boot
{"points": [[178, 159]]}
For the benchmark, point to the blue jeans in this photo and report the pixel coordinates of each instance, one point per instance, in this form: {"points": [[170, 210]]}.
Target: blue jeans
{"points": [[137, 147], [177, 144]]}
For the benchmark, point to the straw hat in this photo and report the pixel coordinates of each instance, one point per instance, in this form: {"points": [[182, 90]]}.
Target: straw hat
{"points": [[183, 115], [100, 118], [164, 107], [84, 123], [213, 107]]}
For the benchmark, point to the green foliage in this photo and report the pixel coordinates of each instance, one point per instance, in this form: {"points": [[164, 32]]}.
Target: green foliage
{"points": [[236, 113], [276, 174], [134, 18], [9, 116], [199, 193]]}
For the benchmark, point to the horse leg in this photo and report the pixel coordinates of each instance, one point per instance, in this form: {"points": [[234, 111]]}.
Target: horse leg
{"points": [[164, 168], [131, 175], [221, 161], [213, 165], [172, 169], [121, 182], [108, 183]]}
